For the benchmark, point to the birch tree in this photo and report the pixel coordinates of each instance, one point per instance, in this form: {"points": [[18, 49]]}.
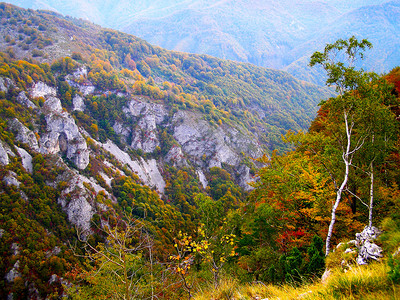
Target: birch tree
{"points": [[381, 126], [354, 115]]}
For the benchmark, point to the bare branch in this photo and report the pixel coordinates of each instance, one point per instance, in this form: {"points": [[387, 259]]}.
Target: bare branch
{"points": [[350, 192]]}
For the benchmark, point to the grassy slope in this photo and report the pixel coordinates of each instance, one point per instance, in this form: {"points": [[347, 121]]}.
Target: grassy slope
{"points": [[360, 282]]}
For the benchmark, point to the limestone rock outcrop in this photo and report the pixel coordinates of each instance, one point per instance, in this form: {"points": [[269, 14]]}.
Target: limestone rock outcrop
{"points": [[63, 135], [78, 103], [367, 249], [5, 84], [186, 138], [147, 170], [26, 159], [23, 99], [11, 179], [13, 273], [75, 199], [176, 157], [3, 155], [24, 134], [148, 116], [41, 89], [200, 140]]}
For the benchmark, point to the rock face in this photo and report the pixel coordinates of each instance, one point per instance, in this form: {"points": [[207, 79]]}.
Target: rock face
{"points": [[202, 178], [79, 212], [23, 99], [5, 84], [367, 249], [244, 177], [75, 199], [148, 116], [13, 273], [63, 135], [26, 159], [79, 80], [147, 171], [196, 143], [41, 89], [176, 157], [78, 104], [219, 145], [23, 134], [11, 179], [200, 144], [3, 155], [123, 130]]}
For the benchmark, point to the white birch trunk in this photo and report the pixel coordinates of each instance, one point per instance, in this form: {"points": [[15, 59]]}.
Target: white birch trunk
{"points": [[347, 162], [371, 195]]}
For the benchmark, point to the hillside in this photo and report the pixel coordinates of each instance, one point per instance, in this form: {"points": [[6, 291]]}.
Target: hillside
{"points": [[131, 172], [276, 101], [98, 124], [270, 34]]}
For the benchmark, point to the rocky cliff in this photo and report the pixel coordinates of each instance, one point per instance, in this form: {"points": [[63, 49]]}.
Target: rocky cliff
{"points": [[197, 144]]}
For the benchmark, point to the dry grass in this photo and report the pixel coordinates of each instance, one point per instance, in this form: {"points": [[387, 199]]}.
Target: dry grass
{"points": [[360, 282]]}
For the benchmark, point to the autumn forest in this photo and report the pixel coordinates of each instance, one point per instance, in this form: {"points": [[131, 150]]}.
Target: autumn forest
{"points": [[131, 172]]}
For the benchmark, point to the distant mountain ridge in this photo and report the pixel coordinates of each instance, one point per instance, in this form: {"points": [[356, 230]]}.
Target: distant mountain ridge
{"points": [[266, 33]]}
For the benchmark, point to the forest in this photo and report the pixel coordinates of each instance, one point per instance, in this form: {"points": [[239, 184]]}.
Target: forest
{"points": [[316, 187]]}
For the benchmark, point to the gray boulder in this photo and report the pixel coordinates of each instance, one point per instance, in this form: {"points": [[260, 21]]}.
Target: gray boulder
{"points": [[367, 249]]}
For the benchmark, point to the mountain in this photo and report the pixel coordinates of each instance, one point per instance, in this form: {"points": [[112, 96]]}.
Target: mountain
{"points": [[266, 33], [378, 23], [96, 124]]}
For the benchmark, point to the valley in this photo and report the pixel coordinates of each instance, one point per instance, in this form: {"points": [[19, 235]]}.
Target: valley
{"points": [[129, 171]]}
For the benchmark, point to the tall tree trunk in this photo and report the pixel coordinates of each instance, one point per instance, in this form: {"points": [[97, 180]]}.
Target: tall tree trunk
{"points": [[371, 194], [339, 192]]}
